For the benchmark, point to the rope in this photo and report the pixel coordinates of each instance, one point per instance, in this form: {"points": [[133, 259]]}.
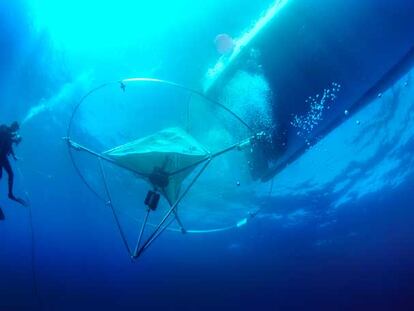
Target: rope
{"points": [[32, 238]]}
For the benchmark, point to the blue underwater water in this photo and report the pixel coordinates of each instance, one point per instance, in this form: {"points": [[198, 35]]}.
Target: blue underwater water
{"points": [[332, 230]]}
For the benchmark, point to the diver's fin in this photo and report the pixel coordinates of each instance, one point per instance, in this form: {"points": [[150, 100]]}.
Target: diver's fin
{"points": [[19, 200], [1, 215]]}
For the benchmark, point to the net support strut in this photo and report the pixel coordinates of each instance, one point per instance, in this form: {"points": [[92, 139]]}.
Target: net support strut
{"points": [[79, 147], [109, 203], [159, 229], [141, 233]]}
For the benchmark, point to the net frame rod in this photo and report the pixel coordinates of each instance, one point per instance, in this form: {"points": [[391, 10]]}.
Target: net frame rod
{"points": [[209, 157], [214, 155], [162, 229], [159, 229], [177, 217], [109, 203], [141, 233], [79, 147]]}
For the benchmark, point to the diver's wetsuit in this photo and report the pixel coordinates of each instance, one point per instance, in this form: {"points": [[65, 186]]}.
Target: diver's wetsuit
{"points": [[7, 138], [4, 163]]}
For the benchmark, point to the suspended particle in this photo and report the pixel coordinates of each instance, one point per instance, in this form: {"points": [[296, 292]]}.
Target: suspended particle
{"points": [[346, 112]]}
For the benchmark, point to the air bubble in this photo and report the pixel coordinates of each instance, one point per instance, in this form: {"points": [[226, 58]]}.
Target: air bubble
{"points": [[318, 103]]}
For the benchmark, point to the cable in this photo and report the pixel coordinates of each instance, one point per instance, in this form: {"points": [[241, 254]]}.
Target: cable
{"points": [[32, 238]]}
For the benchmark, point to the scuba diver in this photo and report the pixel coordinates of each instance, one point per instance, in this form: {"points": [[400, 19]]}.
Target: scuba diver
{"points": [[8, 137]]}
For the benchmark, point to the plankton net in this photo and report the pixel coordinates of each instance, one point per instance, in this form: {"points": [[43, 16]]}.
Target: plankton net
{"points": [[141, 145]]}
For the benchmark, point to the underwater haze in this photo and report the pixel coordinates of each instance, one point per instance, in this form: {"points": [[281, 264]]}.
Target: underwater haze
{"points": [[320, 218]]}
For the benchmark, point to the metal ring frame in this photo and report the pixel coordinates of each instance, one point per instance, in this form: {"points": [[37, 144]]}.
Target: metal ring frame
{"points": [[167, 220]]}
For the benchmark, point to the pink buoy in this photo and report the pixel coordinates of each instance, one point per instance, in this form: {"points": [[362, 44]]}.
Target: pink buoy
{"points": [[224, 43]]}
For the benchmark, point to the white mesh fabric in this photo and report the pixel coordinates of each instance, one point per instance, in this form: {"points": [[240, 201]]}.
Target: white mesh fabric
{"points": [[171, 149]]}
